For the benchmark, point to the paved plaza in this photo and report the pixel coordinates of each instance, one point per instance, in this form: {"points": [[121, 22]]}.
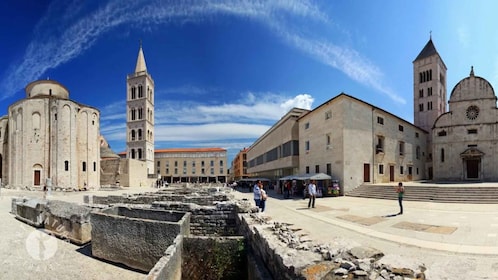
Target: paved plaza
{"points": [[453, 241]]}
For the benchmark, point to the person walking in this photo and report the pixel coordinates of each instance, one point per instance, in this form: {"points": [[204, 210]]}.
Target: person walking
{"points": [[264, 196], [257, 193], [312, 193], [401, 191]]}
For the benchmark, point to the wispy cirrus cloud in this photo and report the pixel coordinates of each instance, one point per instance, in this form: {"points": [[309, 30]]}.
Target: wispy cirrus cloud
{"points": [[80, 27]]}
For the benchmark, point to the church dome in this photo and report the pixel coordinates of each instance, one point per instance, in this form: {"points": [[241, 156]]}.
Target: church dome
{"points": [[46, 88], [472, 87]]}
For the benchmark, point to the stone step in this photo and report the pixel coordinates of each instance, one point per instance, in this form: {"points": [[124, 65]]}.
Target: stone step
{"points": [[460, 194]]}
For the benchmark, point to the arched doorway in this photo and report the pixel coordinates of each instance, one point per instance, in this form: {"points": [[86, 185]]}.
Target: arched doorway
{"points": [[37, 172], [471, 159]]}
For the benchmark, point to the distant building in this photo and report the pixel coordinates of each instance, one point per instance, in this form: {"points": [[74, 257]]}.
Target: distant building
{"points": [[203, 165], [48, 138], [239, 166]]}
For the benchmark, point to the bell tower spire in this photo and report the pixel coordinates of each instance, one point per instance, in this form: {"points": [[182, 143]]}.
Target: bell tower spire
{"points": [[140, 66]]}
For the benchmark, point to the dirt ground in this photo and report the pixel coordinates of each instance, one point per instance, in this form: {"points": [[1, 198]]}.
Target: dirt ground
{"points": [[28, 253]]}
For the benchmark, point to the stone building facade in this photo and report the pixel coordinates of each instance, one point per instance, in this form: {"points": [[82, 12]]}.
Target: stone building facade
{"points": [[49, 139], [203, 165], [356, 142], [465, 138]]}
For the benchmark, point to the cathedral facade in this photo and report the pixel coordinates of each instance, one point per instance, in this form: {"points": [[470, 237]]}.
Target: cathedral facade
{"points": [[48, 139]]}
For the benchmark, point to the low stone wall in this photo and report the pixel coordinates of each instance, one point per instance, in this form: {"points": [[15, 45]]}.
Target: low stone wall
{"points": [[135, 237], [199, 199], [68, 221], [169, 267], [220, 219]]}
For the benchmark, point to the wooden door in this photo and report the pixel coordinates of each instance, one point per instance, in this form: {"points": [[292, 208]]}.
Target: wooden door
{"points": [[391, 173], [37, 178], [366, 172], [473, 169]]}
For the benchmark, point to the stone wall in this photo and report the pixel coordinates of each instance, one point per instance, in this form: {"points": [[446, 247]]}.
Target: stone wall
{"points": [[137, 238], [170, 265], [220, 219]]}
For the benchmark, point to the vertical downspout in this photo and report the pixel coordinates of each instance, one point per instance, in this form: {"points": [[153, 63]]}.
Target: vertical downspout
{"points": [[374, 148]]}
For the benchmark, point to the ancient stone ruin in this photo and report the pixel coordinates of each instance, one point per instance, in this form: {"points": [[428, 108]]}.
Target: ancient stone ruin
{"points": [[200, 232]]}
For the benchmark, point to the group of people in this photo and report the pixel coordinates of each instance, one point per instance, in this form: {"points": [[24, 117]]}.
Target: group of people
{"points": [[260, 195]]}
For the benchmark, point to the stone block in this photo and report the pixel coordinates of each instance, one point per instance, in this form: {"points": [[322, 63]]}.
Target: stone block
{"points": [[31, 211], [136, 237], [68, 221]]}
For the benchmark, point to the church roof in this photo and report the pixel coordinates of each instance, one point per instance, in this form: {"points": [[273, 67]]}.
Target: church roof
{"points": [[141, 66], [427, 51]]}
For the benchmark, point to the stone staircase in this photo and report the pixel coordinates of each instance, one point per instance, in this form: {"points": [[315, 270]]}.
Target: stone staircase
{"points": [[443, 194]]}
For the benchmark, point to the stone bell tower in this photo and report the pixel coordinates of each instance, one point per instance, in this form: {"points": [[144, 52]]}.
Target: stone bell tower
{"points": [[140, 114]]}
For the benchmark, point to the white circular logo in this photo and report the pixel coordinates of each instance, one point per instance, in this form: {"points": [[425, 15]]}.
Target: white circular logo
{"points": [[41, 246]]}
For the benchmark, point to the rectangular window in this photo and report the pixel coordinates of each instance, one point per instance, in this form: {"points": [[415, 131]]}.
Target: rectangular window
{"points": [[317, 168], [328, 139], [442, 155], [221, 170], [410, 170], [176, 170], [167, 170], [211, 163], [416, 134], [307, 169], [158, 164], [212, 171], [66, 165], [328, 115], [381, 169], [94, 166], [307, 145], [221, 163], [421, 107], [401, 148], [472, 131], [421, 93], [329, 168], [380, 120], [84, 166], [401, 128], [401, 170], [307, 125], [203, 171]]}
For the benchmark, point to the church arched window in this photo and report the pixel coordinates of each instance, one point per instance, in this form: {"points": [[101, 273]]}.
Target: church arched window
{"points": [[140, 91], [133, 135], [139, 134]]}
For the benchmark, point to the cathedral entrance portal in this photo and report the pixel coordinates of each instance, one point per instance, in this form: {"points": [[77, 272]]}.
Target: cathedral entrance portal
{"points": [[472, 163], [473, 168]]}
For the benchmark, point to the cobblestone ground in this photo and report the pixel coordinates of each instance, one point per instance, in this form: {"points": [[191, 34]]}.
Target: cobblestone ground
{"points": [[27, 253]]}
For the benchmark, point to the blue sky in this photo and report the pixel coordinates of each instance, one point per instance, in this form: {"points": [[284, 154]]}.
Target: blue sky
{"points": [[226, 71]]}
